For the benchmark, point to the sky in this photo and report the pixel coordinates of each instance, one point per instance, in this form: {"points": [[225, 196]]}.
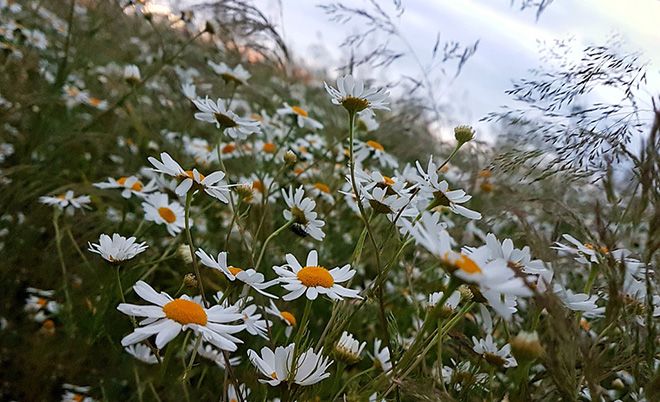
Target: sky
{"points": [[508, 40]]}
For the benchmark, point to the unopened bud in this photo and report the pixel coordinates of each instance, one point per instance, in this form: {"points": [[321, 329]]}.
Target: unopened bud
{"points": [[463, 134], [184, 253], [245, 192], [466, 293], [209, 27], [190, 281], [290, 158], [526, 346]]}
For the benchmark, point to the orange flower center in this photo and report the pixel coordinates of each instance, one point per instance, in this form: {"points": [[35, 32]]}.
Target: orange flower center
{"points": [[270, 148], [42, 302], [273, 375], [137, 186], [388, 180], [167, 214], [185, 312], [465, 264], [234, 270], [94, 101], [189, 174], [258, 185], [229, 148], [316, 276], [289, 318], [298, 171], [375, 145], [322, 187], [299, 111]]}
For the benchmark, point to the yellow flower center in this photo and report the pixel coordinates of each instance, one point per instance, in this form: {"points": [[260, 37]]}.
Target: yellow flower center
{"points": [[185, 312], [270, 148], [376, 145], [388, 180], [322, 187], [167, 214], [289, 318], [42, 302], [234, 270], [315, 276], [137, 186], [273, 375], [299, 111], [61, 197]]}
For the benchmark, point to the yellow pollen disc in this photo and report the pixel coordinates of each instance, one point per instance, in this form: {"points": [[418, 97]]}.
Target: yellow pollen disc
{"points": [[233, 400], [258, 185], [42, 302], [61, 197], [228, 148], [322, 187], [289, 318], [315, 276], [137, 186], [465, 264], [388, 180], [167, 214], [299, 111], [78, 398], [302, 149], [270, 148], [185, 312], [273, 375], [189, 174], [234, 271], [589, 246], [375, 145], [604, 249], [72, 91]]}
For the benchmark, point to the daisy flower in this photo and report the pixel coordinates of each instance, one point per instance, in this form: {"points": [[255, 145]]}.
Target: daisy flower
{"points": [[212, 184], [67, 201], [354, 97], [249, 277], [323, 191], [237, 75], [75, 393], [130, 185], [118, 248], [142, 352], [40, 304], [381, 357], [313, 279], [279, 366], [167, 317], [301, 116], [438, 191], [372, 149], [489, 351], [348, 348], [514, 257], [584, 253], [258, 187], [450, 304], [132, 74], [207, 351], [579, 302], [233, 394], [217, 112], [200, 150], [288, 318], [301, 212], [158, 209], [254, 325], [229, 150]]}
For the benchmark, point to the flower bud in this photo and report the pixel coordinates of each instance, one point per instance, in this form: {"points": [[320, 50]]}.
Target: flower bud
{"points": [[184, 253], [526, 346], [463, 134], [190, 281], [290, 158]]}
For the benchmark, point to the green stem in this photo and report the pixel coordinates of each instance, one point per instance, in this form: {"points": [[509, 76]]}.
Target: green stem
{"points": [[60, 255], [189, 198], [271, 237], [451, 156], [186, 373], [350, 380]]}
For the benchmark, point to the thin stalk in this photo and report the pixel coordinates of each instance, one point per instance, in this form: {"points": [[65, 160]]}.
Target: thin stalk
{"points": [[271, 237], [189, 198], [58, 243]]}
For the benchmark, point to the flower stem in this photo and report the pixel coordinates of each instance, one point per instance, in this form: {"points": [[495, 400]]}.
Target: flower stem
{"points": [[451, 156], [58, 243], [189, 198], [271, 237]]}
